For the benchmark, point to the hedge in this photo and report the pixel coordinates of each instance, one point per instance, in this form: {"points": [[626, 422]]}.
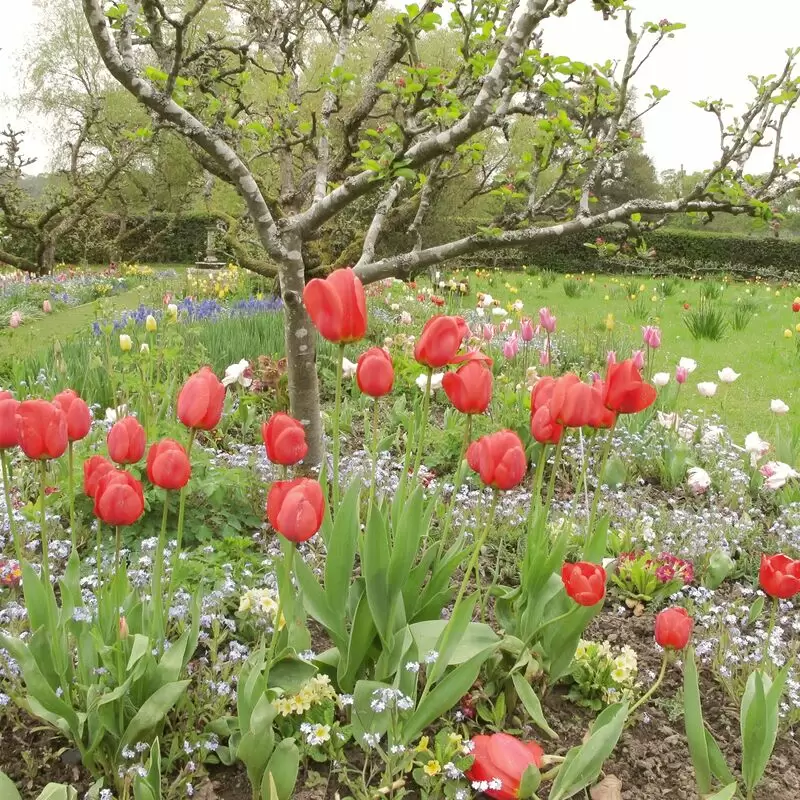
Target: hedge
{"points": [[182, 240]]}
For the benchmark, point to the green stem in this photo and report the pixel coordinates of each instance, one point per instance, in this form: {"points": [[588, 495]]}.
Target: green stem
{"points": [[337, 409], [278, 613], [645, 697], [603, 459], [43, 533], [426, 403], [99, 555], [71, 462], [473, 562], [117, 548], [15, 535], [158, 575], [536, 493], [375, 430], [460, 473], [551, 485], [179, 535], [772, 618]]}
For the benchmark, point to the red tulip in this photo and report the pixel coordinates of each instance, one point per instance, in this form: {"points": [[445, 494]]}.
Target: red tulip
{"points": [[544, 428], [9, 434], [285, 439], [469, 388], [625, 391], [296, 508], [439, 341], [583, 405], [673, 628], [168, 466], [41, 428], [585, 583], [200, 400], [79, 418], [502, 758], [337, 306], [779, 576], [795, 306], [542, 392], [499, 458], [126, 441], [374, 372], [119, 499], [94, 470]]}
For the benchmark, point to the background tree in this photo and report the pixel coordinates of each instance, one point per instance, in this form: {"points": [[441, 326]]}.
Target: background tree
{"points": [[318, 109]]}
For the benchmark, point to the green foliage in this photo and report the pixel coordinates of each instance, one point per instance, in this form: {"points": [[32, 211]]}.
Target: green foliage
{"points": [[709, 321], [742, 313], [574, 287]]}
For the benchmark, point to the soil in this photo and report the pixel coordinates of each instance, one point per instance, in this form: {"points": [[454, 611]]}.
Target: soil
{"points": [[651, 760]]}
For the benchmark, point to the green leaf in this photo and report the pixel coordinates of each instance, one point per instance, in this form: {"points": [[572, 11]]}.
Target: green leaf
{"points": [[755, 610], [530, 701], [759, 723], [716, 760], [316, 604], [728, 793], [364, 718], [583, 763], [475, 638], [362, 634], [7, 789], [57, 791], [446, 694], [148, 787], [281, 772], [341, 547], [596, 546], [453, 632], [291, 674], [139, 648], [375, 568], [153, 710], [531, 779], [693, 720]]}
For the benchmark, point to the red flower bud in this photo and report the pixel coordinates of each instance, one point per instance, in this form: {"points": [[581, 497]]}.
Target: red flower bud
{"points": [[94, 470], [337, 306], [374, 372], [285, 439], [469, 388], [200, 400], [673, 628], [625, 391], [79, 418], [585, 583], [779, 576], [499, 458], [126, 441], [168, 466], [504, 758], [296, 508], [42, 429], [9, 434], [439, 341], [119, 499]]}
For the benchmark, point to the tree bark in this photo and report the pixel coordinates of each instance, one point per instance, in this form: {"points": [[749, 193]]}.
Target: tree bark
{"points": [[301, 349], [47, 256]]}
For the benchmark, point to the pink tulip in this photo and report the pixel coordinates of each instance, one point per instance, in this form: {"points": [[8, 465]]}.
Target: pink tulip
{"points": [[611, 358], [526, 329], [488, 332], [511, 346], [637, 356], [680, 374], [46, 307], [504, 326], [544, 358], [16, 319], [547, 320], [651, 336]]}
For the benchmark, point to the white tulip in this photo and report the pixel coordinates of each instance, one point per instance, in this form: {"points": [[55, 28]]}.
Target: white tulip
{"points": [[113, 414], [238, 373], [405, 318], [348, 368], [778, 407], [698, 479], [727, 375], [661, 379], [479, 312], [756, 446], [777, 473], [689, 364], [436, 381], [707, 388], [487, 300], [518, 305], [395, 306], [499, 312]]}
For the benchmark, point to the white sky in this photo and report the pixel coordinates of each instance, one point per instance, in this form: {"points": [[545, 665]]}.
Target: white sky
{"points": [[724, 42]]}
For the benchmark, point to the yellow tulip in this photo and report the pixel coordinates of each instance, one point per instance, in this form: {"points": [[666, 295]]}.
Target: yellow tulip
{"points": [[150, 324], [125, 342], [787, 334]]}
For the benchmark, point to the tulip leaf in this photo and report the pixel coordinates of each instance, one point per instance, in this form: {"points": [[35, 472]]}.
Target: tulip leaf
{"points": [[152, 711], [583, 763], [693, 720], [445, 694], [407, 535], [755, 610], [362, 634], [365, 719], [467, 640], [716, 760], [596, 545], [375, 568], [341, 547], [316, 603], [531, 779], [7, 789], [728, 793], [532, 705], [451, 635], [281, 771]]}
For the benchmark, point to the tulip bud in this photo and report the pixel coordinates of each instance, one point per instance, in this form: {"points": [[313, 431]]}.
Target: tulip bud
{"points": [[144, 349], [15, 320], [125, 343], [47, 307], [172, 311], [150, 324], [673, 628], [123, 628]]}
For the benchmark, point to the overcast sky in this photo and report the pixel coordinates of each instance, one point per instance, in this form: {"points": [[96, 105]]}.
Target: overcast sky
{"points": [[724, 42]]}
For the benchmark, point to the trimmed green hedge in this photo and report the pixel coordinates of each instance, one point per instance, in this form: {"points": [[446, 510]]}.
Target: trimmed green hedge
{"points": [[164, 239]]}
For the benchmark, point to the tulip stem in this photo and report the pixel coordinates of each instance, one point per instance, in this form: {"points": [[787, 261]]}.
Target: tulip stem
{"points": [[337, 409], [375, 429], [43, 534], [426, 403], [15, 535], [649, 693], [158, 574], [289, 564], [117, 547], [71, 484], [772, 617], [600, 469], [179, 535], [551, 485], [536, 493]]}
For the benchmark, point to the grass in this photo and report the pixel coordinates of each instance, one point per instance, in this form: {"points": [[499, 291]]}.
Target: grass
{"points": [[768, 361]]}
